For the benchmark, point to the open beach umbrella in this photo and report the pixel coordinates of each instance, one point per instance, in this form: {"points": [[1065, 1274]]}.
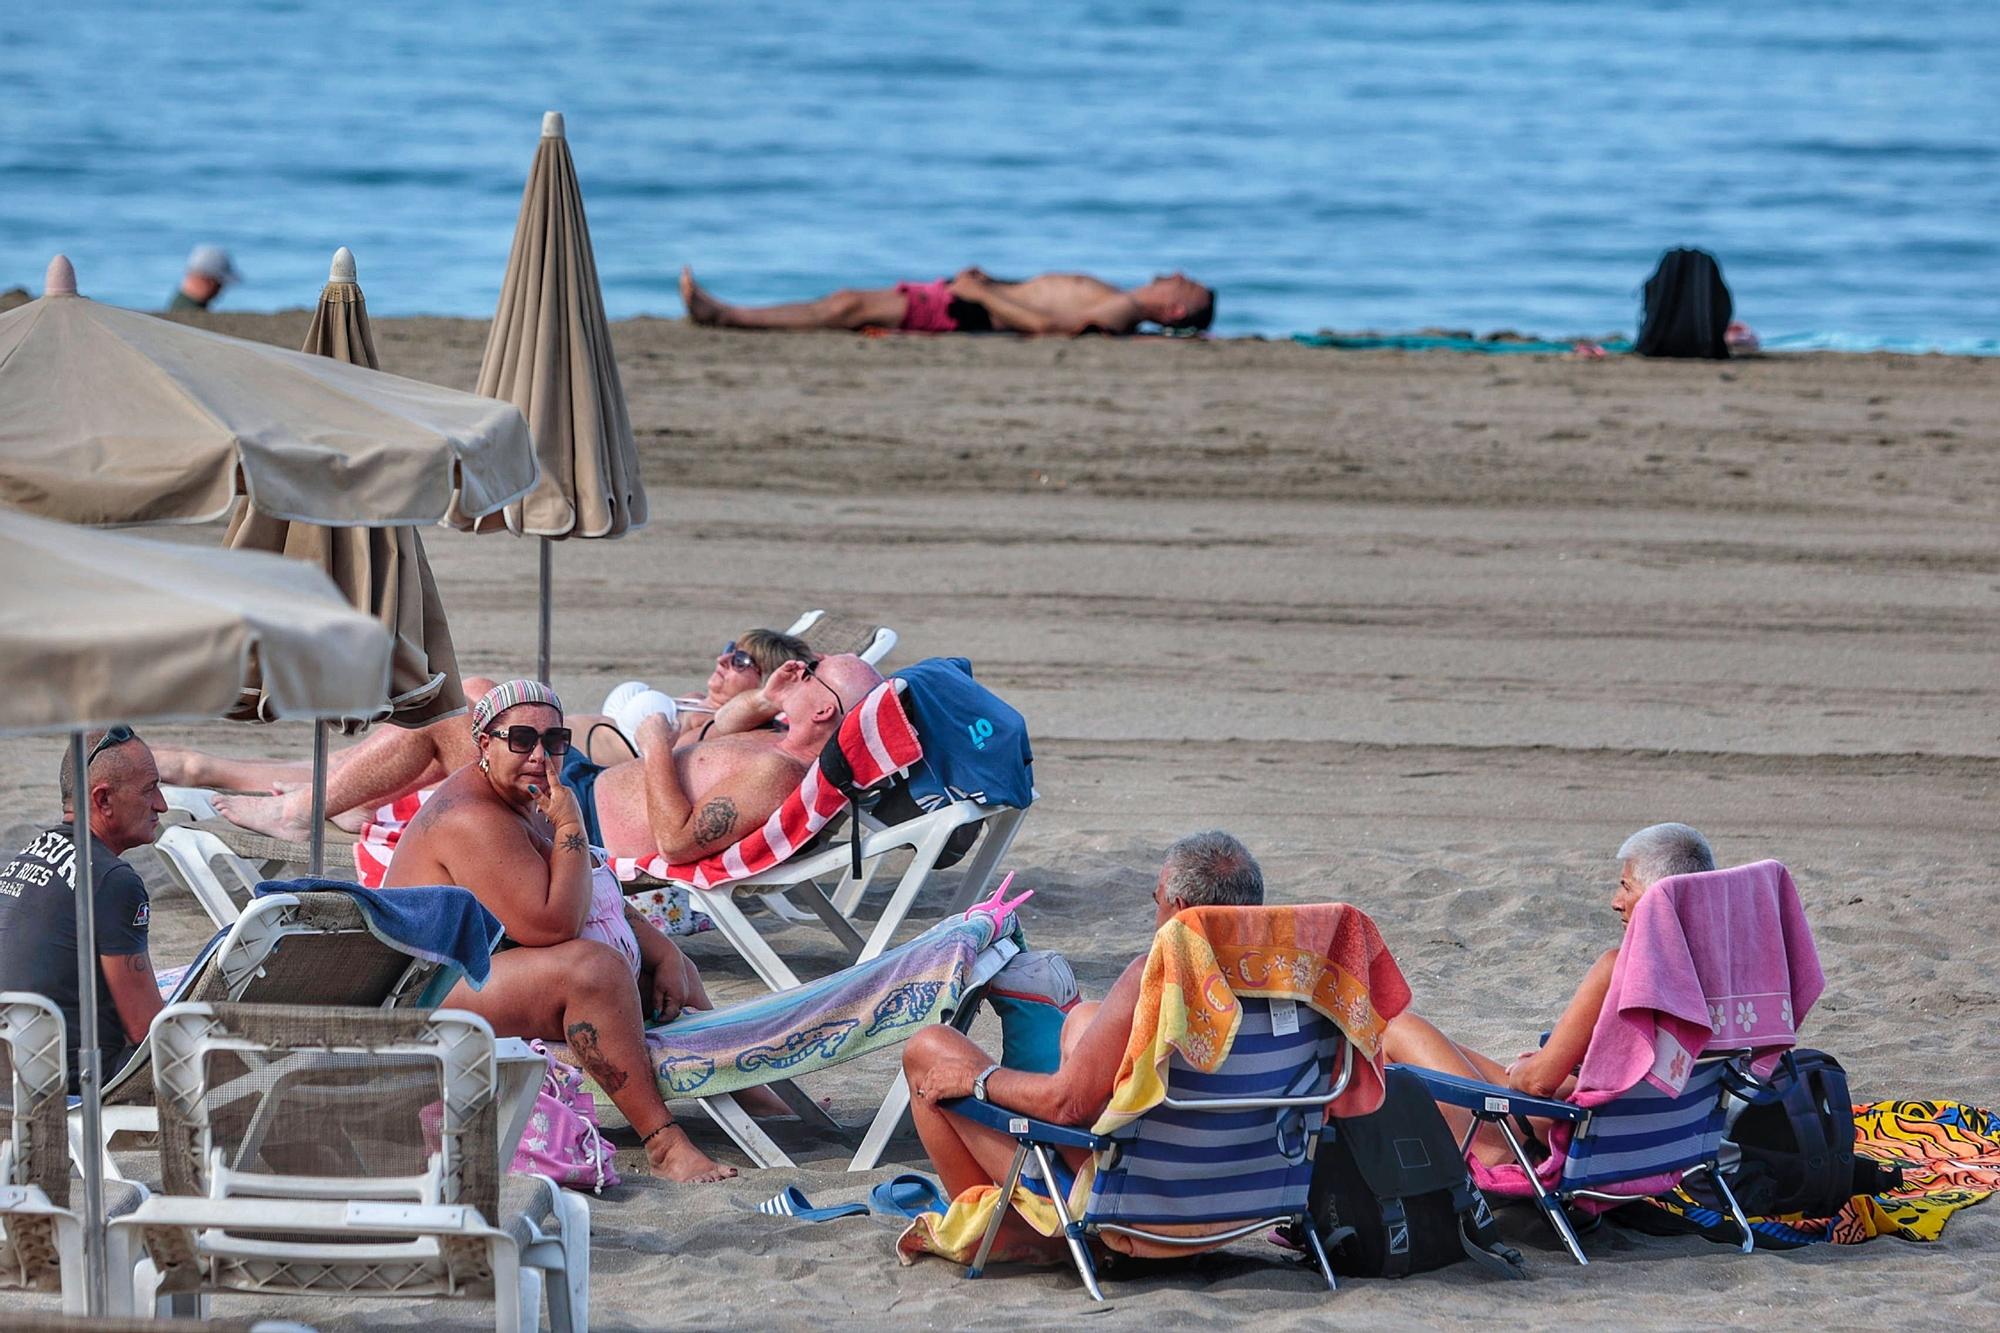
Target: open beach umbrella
{"points": [[549, 354], [109, 416], [381, 570], [100, 627]]}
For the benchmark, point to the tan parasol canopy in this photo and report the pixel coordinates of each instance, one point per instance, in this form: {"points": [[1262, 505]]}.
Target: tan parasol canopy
{"points": [[98, 628], [381, 570], [102, 627], [549, 354], [110, 416]]}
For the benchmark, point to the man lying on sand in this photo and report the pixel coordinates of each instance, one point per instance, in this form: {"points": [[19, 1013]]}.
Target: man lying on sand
{"points": [[391, 762], [1205, 870], [587, 969], [972, 302], [1649, 855]]}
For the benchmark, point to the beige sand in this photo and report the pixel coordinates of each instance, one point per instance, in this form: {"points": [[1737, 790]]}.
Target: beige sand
{"points": [[1433, 633]]}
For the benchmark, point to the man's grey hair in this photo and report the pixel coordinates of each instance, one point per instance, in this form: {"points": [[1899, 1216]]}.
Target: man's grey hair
{"points": [[1213, 869], [1666, 849]]}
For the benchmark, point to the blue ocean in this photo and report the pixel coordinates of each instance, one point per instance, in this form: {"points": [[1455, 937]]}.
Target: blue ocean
{"points": [[1474, 164]]}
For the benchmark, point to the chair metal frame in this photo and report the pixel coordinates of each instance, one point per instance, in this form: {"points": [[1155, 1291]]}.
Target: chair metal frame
{"points": [[1492, 1104], [1036, 1137]]}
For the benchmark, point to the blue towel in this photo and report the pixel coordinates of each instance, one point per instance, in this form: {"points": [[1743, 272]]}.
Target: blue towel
{"points": [[441, 923]]}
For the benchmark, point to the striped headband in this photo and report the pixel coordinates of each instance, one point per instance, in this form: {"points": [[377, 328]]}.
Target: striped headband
{"points": [[511, 694]]}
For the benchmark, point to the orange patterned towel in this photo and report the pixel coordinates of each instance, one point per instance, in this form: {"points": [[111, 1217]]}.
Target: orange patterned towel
{"points": [[1327, 955]]}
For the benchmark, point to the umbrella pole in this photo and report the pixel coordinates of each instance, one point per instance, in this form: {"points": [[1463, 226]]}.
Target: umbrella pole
{"points": [[319, 798], [86, 1037], [548, 560]]}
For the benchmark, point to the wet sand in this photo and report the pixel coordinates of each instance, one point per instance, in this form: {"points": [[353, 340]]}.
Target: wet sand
{"points": [[1433, 633]]}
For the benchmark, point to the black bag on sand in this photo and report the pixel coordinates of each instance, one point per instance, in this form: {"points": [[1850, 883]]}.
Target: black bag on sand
{"points": [[1687, 308], [1795, 1157], [1391, 1194]]}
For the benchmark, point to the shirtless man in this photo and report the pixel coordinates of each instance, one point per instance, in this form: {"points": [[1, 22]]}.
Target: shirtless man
{"points": [[1647, 856], [1204, 870], [393, 761], [687, 803], [972, 302]]}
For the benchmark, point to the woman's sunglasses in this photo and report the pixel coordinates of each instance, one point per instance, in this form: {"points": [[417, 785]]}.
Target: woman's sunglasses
{"points": [[523, 739], [732, 656]]}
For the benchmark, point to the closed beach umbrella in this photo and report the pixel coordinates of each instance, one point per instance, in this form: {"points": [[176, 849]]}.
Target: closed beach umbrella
{"points": [[101, 627], [549, 354], [381, 570], [110, 416]]}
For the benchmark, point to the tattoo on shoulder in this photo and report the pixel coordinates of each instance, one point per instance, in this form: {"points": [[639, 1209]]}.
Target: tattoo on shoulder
{"points": [[575, 842], [583, 1040], [715, 819]]}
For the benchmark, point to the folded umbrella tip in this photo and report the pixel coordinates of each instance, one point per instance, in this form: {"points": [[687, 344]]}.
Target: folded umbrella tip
{"points": [[61, 280], [343, 266], [552, 125]]}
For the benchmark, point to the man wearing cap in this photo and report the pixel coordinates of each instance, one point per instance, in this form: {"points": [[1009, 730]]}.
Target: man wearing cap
{"points": [[208, 272], [38, 900]]}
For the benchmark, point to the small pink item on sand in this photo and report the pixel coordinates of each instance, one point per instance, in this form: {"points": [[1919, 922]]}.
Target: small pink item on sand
{"points": [[1740, 337]]}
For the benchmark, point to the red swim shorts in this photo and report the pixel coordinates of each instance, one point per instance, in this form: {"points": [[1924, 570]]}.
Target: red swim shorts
{"points": [[929, 308]]}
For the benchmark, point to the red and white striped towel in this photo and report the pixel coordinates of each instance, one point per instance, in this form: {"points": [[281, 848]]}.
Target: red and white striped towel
{"points": [[877, 738]]}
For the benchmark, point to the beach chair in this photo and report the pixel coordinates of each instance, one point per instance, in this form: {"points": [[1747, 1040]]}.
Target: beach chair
{"points": [[41, 1238], [1727, 970], [1640, 1145], [285, 948], [773, 1040], [841, 634], [279, 1180], [1226, 1155], [876, 744], [220, 864]]}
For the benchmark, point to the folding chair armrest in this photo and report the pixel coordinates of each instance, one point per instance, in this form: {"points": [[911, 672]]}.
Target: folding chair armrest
{"points": [[1025, 1128], [1490, 1099]]}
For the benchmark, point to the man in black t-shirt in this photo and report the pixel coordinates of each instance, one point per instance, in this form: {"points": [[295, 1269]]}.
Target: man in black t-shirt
{"points": [[38, 902]]}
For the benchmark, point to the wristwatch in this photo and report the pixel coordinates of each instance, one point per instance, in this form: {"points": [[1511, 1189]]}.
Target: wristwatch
{"points": [[979, 1084]]}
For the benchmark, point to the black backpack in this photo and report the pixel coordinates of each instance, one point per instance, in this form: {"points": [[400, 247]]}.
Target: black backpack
{"points": [[1687, 308], [1391, 1194], [1795, 1145]]}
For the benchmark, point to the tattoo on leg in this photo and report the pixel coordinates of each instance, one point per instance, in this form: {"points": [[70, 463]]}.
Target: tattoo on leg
{"points": [[574, 842], [715, 820], [583, 1040]]}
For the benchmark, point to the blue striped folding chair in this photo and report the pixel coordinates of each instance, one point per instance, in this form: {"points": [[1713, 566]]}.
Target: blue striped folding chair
{"points": [[1228, 1154], [1645, 1138]]}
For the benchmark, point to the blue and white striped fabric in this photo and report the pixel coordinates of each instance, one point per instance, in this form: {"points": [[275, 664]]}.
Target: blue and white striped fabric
{"points": [[1647, 1132], [1223, 1166]]}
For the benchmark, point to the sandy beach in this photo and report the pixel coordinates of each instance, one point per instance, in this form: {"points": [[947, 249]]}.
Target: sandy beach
{"points": [[1432, 633]]}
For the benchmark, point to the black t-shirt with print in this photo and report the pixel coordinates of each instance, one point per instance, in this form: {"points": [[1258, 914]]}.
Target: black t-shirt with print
{"points": [[38, 931]]}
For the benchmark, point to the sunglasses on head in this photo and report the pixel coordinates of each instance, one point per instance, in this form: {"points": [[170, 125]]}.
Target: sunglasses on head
{"points": [[523, 739], [733, 656], [118, 735]]}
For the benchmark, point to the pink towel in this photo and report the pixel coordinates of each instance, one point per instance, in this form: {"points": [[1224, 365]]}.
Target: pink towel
{"points": [[1716, 961]]}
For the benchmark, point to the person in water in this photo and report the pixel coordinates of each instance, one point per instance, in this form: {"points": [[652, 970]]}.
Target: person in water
{"points": [[972, 302]]}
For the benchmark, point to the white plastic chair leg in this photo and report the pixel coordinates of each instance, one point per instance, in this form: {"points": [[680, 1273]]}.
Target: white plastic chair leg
{"points": [[985, 863], [573, 1291], [736, 928], [517, 1292], [922, 858], [883, 1128], [745, 1132]]}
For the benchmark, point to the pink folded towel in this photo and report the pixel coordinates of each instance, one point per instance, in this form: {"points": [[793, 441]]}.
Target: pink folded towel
{"points": [[1716, 961]]}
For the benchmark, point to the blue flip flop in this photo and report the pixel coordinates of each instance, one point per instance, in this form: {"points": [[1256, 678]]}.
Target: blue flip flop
{"points": [[792, 1202], [908, 1195]]}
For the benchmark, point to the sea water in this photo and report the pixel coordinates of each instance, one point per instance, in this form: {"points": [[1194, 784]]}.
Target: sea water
{"points": [[1457, 163]]}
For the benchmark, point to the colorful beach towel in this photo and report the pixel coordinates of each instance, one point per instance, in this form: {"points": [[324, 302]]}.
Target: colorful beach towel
{"points": [[823, 1023], [1328, 956], [1950, 1153], [1431, 342]]}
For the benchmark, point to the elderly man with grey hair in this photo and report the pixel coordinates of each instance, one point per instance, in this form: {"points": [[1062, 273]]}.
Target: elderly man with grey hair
{"points": [[1210, 869], [1648, 856]]}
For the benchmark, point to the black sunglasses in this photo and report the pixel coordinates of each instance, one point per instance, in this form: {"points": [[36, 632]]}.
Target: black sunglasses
{"points": [[812, 674], [118, 735], [523, 739], [733, 656]]}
